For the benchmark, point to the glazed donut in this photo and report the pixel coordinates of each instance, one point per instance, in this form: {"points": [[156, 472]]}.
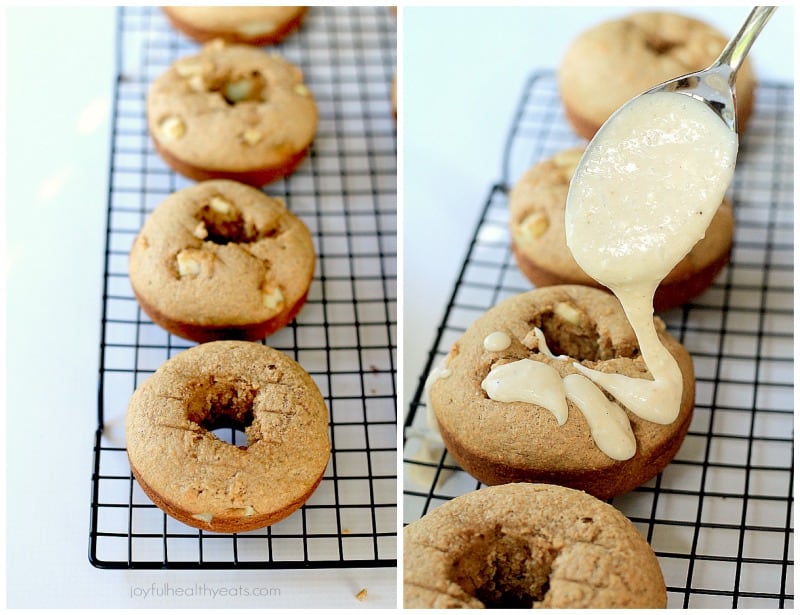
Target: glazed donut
{"points": [[538, 237], [221, 260], [247, 25], [614, 61], [528, 545], [516, 441], [232, 112], [209, 484]]}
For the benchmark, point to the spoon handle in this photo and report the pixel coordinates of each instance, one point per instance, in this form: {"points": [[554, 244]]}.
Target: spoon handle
{"points": [[736, 50]]}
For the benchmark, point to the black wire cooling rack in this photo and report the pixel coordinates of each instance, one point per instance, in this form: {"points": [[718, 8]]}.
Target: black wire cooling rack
{"points": [[345, 335], [720, 516]]}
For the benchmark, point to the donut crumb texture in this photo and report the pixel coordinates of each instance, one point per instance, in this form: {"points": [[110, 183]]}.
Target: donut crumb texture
{"points": [[526, 545]]}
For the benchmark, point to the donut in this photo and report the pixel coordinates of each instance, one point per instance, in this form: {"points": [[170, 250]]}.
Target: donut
{"points": [[232, 112], [610, 63], [528, 546], [538, 238], [207, 483], [247, 25], [221, 260], [519, 441]]}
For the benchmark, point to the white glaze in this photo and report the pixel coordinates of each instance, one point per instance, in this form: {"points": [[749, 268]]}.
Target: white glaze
{"points": [[529, 381], [642, 196], [496, 341], [608, 423], [544, 348], [647, 187]]}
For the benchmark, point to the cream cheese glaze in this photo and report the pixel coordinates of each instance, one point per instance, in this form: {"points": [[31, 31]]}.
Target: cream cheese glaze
{"points": [[529, 381], [497, 341], [641, 197], [643, 194]]}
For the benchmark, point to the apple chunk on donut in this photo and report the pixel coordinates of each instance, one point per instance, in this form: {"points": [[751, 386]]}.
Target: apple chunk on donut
{"points": [[222, 260], [213, 485]]}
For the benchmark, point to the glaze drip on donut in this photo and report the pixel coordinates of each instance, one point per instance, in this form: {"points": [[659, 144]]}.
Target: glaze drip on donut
{"points": [[642, 196], [539, 383], [499, 442]]}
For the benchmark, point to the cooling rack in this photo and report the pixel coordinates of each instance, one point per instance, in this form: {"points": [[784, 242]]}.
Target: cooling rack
{"points": [[720, 516], [345, 335]]}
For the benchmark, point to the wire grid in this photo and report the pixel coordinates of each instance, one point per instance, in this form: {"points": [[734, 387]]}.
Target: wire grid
{"points": [[345, 335], [720, 516]]}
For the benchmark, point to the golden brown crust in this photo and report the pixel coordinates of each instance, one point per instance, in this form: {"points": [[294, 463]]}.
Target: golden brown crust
{"points": [[501, 442], [255, 178], [246, 25], [232, 111], [612, 62], [528, 545], [538, 236], [210, 484], [209, 333], [221, 260]]}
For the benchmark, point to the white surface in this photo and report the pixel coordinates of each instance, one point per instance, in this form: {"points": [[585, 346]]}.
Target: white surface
{"points": [[463, 73], [60, 70]]}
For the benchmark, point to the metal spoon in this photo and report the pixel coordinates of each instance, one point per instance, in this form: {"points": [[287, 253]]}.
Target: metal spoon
{"points": [[716, 85]]}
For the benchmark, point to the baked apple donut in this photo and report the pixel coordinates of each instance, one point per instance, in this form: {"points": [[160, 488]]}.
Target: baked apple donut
{"points": [[210, 484], [596, 446], [247, 25], [222, 260], [612, 62], [528, 545], [232, 112], [538, 237]]}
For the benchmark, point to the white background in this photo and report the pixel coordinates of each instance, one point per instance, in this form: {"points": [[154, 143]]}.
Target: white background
{"points": [[464, 69]]}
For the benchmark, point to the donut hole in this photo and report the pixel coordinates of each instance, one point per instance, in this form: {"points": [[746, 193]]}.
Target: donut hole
{"points": [[236, 89], [576, 340], [660, 46], [570, 331], [506, 571], [230, 433], [230, 227], [225, 411]]}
